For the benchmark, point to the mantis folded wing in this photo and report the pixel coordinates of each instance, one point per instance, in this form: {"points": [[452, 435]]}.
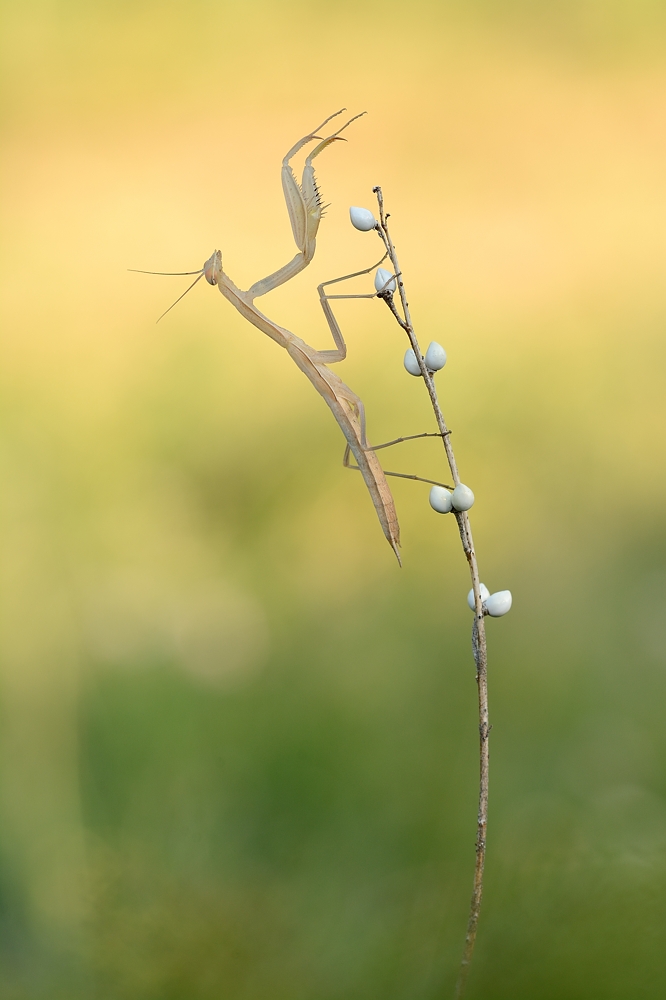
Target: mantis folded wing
{"points": [[305, 212]]}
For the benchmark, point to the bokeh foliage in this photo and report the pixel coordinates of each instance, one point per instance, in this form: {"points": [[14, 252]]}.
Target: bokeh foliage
{"points": [[238, 745]]}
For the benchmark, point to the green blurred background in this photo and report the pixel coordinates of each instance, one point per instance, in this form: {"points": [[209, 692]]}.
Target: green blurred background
{"points": [[237, 743]]}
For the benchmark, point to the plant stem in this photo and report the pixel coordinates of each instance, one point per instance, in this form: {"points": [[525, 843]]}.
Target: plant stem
{"points": [[479, 647]]}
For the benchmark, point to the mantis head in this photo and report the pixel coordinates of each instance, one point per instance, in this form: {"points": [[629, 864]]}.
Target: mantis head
{"points": [[213, 267]]}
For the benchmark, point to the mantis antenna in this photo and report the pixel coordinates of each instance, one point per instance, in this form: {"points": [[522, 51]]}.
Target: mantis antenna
{"points": [[172, 274]]}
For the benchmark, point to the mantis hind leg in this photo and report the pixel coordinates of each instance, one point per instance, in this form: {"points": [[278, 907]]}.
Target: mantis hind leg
{"points": [[346, 460]]}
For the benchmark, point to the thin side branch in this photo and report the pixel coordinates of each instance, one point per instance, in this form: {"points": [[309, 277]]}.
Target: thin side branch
{"points": [[478, 630]]}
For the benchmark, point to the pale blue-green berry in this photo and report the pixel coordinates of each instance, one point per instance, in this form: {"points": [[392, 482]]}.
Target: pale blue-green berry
{"points": [[381, 279], [362, 218], [485, 593], [435, 356], [410, 362], [462, 497], [498, 604], [440, 500]]}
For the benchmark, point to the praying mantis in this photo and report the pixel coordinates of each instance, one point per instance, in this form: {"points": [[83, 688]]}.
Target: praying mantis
{"points": [[304, 205]]}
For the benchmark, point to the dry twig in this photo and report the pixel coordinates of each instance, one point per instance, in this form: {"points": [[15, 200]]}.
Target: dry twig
{"points": [[478, 629]]}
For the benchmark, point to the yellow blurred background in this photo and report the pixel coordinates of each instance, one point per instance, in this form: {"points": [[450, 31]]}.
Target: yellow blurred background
{"points": [[237, 743]]}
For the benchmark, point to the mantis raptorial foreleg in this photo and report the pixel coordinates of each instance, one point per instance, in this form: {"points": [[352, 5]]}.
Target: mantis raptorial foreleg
{"points": [[304, 206]]}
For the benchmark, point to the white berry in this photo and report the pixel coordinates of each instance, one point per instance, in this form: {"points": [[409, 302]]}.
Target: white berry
{"points": [[362, 218], [485, 594], [382, 282], [440, 500], [410, 362], [435, 356], [462, 498], [498, 604]]}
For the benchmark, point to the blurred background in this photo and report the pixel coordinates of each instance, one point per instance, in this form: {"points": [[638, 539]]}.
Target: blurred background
{"points": [[238, 745]]}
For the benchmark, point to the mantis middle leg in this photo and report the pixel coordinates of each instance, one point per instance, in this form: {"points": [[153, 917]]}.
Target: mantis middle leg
{"points": [[340, 352]]}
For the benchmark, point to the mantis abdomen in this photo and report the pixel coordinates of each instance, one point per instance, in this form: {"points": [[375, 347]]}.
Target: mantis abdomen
{"points": [[346, 408]]}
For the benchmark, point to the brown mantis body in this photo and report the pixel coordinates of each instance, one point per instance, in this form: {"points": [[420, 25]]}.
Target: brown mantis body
{"points": [[305, 212]]}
